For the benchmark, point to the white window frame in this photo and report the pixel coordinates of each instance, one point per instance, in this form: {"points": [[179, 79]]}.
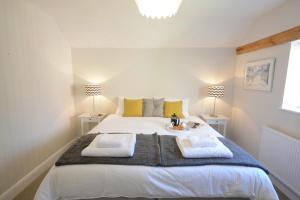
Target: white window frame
{"points": [[291, 97]]}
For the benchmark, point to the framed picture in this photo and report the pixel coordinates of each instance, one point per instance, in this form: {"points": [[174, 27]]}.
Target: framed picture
{"points": [[259, 75]]}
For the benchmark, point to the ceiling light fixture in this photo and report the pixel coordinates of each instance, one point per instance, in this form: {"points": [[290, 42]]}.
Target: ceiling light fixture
{"points": [[157, 9]]}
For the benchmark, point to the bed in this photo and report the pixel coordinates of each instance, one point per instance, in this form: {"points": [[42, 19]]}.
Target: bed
{"points": [[113, 181]]}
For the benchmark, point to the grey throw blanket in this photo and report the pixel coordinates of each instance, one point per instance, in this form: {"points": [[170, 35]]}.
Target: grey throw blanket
{"points": [[171, 155], [146, 153], [154, 150]]}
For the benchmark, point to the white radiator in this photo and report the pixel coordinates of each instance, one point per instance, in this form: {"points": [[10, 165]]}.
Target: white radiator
{"points": [[281, 154]]}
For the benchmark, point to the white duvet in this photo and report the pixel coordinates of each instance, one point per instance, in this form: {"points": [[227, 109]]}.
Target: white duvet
{"points": [[94, 181]]}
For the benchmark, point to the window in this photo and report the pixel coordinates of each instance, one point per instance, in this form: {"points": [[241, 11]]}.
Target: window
{"points": [[291, 98]]}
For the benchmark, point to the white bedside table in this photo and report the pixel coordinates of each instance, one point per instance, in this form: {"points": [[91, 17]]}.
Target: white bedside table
{"points": [[219, 121], [86, 118]]}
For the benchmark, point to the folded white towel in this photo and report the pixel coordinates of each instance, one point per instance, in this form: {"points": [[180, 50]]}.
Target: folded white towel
{"points": [[197, 140], [111, 140], [126, 150], [219, 151]]}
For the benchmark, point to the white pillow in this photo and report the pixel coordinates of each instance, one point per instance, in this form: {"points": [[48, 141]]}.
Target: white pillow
{"points": [[185, 106], [120, 106]]}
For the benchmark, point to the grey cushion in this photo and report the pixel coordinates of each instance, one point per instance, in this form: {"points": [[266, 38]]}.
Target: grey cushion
{"points": [[148, 107], [153, 107], [158, 110]]}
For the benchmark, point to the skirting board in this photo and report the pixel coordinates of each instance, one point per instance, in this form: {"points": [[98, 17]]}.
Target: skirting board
{"points": [[18, 187], [282, 187]]}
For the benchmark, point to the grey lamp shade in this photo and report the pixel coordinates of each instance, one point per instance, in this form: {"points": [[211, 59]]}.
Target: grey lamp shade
{"points": [[216, 91], [92, 89]]}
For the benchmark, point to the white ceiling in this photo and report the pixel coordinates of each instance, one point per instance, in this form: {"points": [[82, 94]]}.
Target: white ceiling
{"points": [[118, 24]]}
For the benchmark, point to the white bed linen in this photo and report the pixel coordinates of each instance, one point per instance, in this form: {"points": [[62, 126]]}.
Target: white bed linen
{"points": [[92, 181], [148, 125]]}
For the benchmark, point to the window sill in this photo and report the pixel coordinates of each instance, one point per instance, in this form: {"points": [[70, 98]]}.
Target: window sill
{"points": [[297, 112]]}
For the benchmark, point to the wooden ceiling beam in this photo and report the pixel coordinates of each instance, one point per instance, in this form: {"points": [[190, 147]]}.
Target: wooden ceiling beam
{"points": [[279, 38]]}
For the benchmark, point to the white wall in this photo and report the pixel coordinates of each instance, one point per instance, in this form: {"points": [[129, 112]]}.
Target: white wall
{"points": [[154, 73], [277, 20], [36, 105], [252, 109]]}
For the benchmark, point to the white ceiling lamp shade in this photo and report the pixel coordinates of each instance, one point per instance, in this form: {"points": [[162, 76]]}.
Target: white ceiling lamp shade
{"points": [[157, 9]]}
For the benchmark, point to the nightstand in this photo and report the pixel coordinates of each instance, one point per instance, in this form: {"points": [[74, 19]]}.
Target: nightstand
{"points": [[86, 118], [220, 121]]}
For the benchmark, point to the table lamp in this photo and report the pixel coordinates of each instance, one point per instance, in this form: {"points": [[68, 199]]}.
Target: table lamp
{"points": [[216, 91], [93, 90]]}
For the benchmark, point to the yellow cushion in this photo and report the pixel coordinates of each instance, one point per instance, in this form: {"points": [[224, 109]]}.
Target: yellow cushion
{"points": [[171, 107], [133, 108]]}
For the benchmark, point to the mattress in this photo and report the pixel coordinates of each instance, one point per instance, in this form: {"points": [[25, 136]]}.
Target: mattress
{"points": [[98, 180]]}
